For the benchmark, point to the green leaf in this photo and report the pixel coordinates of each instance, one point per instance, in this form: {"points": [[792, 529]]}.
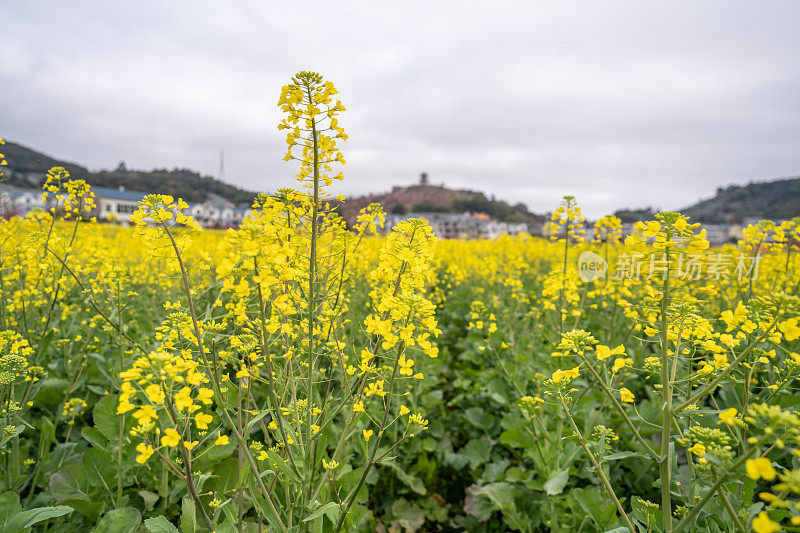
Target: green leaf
{"points": [[105, 417], [495, 470], [479, 418], [226, 475], [595, 505], [51, 392], [323, 509], [59, 454], [347, 482], [188, 516], [70, 483], [9, 507], [623, 455], [413, 482], [228, 526], [25, 519], [149, 499], [477, 452], [201, 480], [517, 437], [160, 524], [122, 520], [94, 437], [556, 482], [219, 452], [227, 507], [456, 460], [14, 520], [500, 494], [99, 467], [409, 516], [354, 517], [255, 420], [47, 429]]}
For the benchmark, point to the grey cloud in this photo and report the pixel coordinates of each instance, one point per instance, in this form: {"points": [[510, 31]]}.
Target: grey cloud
{"points": [[619, 103]]}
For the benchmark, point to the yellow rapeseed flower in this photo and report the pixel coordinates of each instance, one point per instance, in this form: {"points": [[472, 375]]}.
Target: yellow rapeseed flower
{"points": [[760, 468], [154, 394], [763, 524], [202, 420], [145, 414], [145, 451], [561, 375], [728, 415], [790, 329], [604, 352], [171, 438], [183, 400], [626, 395], [204, 395]]}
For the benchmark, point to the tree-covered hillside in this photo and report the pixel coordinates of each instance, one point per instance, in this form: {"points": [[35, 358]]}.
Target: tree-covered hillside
{"points": [[778, 199], [27, 168], [426, 198]]}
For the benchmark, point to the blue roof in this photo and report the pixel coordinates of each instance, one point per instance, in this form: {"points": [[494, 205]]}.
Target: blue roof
{"points": [[116, 194], [16, 193]]}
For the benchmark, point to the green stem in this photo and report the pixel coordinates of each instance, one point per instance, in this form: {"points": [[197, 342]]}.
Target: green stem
{"points": [[620, 409], [310, 451], [665, 458], [597, 467], [370, 462], [729, 507]]}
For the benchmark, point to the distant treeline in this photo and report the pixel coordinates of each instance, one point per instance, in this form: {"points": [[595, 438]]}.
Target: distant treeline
{"points": [[27, 168]]}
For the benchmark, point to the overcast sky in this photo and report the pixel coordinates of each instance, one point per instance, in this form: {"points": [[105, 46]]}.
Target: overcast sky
{"points": [[622, 104]]}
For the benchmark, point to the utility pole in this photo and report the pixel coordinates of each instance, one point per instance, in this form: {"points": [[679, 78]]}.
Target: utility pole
{"points": [[221, 165]]}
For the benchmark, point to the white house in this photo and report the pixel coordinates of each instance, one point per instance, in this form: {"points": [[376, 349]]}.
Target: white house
{"points": [[20, 202], [206, 214], [119, 204], [463, 225], [216, 213]]}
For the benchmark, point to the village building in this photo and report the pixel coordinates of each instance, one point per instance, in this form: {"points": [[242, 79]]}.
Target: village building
{"points": [[462, 225], [20, 202], [116, 204]]}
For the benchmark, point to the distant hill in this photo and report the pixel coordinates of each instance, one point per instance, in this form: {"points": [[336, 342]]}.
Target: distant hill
{"points": [[778, 199], [27, 168], [426, 198], [635, 215]]}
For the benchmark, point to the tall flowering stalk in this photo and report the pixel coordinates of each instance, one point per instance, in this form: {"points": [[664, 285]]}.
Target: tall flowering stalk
{"points": [[567, 219], [273, 369]]}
